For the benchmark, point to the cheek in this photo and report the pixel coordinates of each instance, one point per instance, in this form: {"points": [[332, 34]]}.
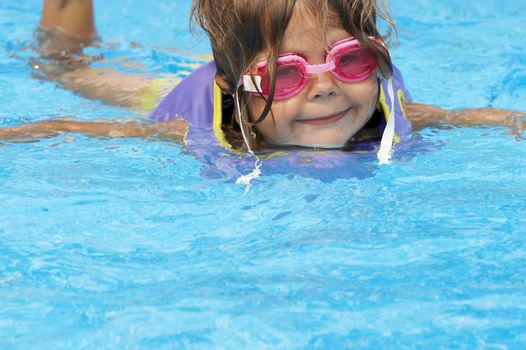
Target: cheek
{"points": [[374, 97], [375, 94], [369, 89], [365, 94], [266, 128], [255, 108], [280, 114]]}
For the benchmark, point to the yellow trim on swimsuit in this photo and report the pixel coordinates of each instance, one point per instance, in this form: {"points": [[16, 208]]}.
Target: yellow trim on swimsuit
{"points": [[150, 97], [217, 121]]}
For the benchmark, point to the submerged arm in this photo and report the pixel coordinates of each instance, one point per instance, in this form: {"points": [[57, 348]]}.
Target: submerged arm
{"points": [[422, 116], [169, 131]]}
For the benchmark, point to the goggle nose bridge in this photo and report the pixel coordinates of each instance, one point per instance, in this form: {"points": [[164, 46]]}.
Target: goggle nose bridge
{"points": [[320, 68]]}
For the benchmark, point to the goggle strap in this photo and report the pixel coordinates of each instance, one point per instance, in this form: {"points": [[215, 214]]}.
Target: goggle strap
{"points": [[386, 145], [252, 84], [256, 172]]}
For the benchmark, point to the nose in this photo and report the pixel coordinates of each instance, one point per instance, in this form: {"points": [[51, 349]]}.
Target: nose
{"points": [[322, 86]]}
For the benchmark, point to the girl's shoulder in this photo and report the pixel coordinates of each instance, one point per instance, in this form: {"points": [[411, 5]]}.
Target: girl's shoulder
{"points": [[192, 98]]}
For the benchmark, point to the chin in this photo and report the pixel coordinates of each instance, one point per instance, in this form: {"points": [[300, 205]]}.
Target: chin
{"points": [[319, 143]]}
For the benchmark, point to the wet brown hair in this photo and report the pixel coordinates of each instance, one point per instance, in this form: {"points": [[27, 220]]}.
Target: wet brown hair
{"points": [[240, 30]]}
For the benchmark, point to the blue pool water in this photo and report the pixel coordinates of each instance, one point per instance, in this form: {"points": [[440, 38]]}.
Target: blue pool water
{"points": [[127, 243]]}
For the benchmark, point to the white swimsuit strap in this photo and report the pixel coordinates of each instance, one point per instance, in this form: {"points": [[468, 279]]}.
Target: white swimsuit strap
{"points": [[386, 145]]}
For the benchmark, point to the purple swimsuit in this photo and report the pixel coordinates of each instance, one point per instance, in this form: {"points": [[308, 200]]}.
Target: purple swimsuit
{"points": [[198, 100]]}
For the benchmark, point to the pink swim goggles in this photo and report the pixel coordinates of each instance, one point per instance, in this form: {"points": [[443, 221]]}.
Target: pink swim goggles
{"points": [[346, 59]]}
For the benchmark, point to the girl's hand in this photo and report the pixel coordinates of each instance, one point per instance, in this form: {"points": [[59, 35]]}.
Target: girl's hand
{"points": [[514, 120], [518, 126], [23, 134]]}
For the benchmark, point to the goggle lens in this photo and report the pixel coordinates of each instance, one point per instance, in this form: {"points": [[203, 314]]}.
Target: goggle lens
{"points": [[289, 76], [354, 64]]}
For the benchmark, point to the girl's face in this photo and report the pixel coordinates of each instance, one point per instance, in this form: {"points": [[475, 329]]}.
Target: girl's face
{"points": [[327, 112]]}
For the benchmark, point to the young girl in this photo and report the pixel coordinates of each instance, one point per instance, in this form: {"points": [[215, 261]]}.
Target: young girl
{"points": [[306, 73]]}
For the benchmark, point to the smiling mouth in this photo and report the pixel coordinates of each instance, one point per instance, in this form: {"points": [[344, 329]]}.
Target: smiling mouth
{"points": [[333, 118]]}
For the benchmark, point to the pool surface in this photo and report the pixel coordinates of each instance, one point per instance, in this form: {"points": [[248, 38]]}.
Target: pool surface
{"points": [[128, 243]]}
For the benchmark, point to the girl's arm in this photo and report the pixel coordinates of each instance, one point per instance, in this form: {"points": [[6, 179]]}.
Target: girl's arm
{"points": [[422, 116], [169, 131], [66, 26]]}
